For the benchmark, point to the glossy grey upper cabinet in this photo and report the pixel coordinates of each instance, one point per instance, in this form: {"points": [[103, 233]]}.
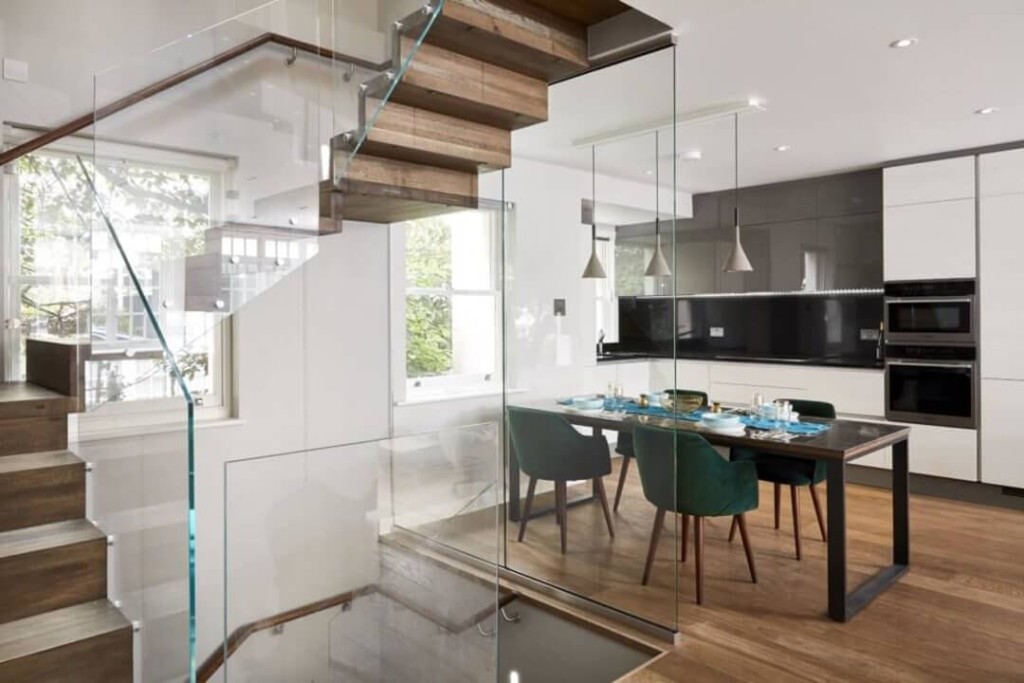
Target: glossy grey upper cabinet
{"points": [[849, 194]]}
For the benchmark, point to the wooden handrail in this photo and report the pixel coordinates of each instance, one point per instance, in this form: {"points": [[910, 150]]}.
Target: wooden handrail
{"points": [[217, 658], [160, 86]]}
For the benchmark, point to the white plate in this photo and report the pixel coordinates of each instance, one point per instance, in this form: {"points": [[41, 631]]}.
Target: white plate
{"points": [[739, 430]]}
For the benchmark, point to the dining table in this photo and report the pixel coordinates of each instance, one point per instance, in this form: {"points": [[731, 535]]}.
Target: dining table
{"points": [[837, 442]]}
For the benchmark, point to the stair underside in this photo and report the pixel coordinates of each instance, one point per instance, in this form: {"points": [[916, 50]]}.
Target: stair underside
{"points": [[523, 38], [424, 137], [453, 84], [86, 643]]}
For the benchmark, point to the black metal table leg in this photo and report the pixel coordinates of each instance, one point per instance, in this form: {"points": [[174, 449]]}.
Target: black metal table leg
{"points": [[901, 503], [842, 606], [836, 507]]}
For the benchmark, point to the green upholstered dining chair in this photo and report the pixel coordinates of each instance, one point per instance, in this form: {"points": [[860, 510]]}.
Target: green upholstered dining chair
{"points": [[548, 448], [794, 472], [681, 473], [624, 447]]}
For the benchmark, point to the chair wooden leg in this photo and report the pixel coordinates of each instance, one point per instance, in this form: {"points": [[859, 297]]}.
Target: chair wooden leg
{"points": [[778, 501], [623, 471], [817, 511], [560, 503], [659, 519], [530, 488], [685, 541], [741, 522], [698, 553], [732, 529], [602, 495], [795, 502]]}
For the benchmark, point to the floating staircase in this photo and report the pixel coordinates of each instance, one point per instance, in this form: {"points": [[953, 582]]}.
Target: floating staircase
{"points": [[56, 624], [482, 72]]}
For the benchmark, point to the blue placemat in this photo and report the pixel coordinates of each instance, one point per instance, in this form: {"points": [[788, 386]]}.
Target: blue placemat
{"points": [[800, 428]]}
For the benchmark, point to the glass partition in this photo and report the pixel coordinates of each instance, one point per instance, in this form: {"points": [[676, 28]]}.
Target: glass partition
{"points": [[343, 563], [570, 523]]}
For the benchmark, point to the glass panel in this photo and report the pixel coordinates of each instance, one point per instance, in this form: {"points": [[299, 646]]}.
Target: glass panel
{"points": [[353, 553], [556, 325]]}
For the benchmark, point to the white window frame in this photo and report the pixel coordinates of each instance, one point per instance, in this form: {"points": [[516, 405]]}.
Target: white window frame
{"points": [[443, 387], [606, 300], [127, 417]]}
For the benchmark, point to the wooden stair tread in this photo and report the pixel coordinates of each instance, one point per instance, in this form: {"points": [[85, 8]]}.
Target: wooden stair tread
{"points": [[47, 536], [520, 37], [12, 392], [58, 628], [36, 461], [453, 84]]}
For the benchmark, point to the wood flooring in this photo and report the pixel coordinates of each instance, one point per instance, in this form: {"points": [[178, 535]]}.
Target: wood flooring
{"points": [[958, 615]]}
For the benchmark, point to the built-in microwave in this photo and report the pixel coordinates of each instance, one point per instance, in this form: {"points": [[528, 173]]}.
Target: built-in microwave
{"points": [[935, 312], [935, 385]]}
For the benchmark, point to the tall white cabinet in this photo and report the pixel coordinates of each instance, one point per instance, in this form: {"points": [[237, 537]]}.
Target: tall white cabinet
{"points": [[929, 219], [1000, 281]]}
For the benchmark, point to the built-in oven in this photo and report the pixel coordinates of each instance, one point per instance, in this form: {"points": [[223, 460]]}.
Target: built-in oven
{"points": [[932, 385], [930, 312]]}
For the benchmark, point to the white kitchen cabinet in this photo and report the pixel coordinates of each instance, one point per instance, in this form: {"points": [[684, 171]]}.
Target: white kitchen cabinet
{"points": [[930, 181], [1002, 432], [1001, 245], [1001, 173], [930, 241], [944, 452]]}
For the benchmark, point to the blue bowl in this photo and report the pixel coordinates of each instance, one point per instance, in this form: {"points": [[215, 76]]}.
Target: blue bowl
{"points": [[587, 403]]}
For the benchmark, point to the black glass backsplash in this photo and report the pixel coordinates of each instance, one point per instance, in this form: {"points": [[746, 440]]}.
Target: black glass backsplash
{"points": [[814, 329]]}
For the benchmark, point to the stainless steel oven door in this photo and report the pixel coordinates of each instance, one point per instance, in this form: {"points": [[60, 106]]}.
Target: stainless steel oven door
{"points": [[942, 393], [938, 320]]}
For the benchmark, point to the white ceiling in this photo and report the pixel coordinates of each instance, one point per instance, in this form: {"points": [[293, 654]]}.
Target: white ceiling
{"points": [[833, 88]]}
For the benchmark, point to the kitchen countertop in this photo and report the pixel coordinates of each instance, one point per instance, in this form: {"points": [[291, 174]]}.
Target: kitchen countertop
{"points": [[623, 356]]}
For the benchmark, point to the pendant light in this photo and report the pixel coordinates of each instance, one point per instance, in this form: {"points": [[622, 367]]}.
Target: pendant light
{"points": [[594, 269], [737, 261], [658, 267]]}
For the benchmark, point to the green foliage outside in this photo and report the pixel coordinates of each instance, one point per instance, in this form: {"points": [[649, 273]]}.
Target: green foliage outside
{"points": [[630, 264], [428, 317]]}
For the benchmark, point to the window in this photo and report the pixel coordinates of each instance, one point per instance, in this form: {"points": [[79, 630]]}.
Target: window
{"points": [[69, 280], [606, 314], [452, 304]]}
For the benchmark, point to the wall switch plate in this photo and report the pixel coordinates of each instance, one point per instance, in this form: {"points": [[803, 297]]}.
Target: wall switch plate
{"points": [[869, 334], [716, 332], [559, 307], [15, 70]]}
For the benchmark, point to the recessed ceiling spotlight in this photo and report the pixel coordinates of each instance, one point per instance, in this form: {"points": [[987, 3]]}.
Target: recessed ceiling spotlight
{"points": [[903, 43], [648, 172], [692, 155], [782, 148], [986, 110]]}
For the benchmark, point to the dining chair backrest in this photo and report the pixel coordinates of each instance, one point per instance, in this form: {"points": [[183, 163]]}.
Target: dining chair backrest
{"points": [[548, 447], [681, 472], [808, 408]]}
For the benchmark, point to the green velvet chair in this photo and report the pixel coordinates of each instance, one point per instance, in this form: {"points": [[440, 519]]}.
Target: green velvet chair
{"points": [[550, 449], [624, 447], [681, 473], [793, 472]]}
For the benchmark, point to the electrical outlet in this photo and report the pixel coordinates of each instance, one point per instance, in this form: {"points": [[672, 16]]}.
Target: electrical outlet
{"points": [[717, 332], [559, 307], [869, 334], [15, 70]]}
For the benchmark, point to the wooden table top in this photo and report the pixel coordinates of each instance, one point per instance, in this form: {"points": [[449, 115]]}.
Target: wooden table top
{"points": [[846, 439]]}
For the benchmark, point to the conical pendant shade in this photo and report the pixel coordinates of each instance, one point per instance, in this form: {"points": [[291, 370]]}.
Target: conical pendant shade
{"points": [[658, 267], [737, 261], [594, 269]]}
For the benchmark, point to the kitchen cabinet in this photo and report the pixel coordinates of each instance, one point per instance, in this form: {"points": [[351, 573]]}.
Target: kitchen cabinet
{"points": [[1002, 432], [848, 252], [1001, 173], [944, 452], [1001, 244], [930, 241], [931, 181]]}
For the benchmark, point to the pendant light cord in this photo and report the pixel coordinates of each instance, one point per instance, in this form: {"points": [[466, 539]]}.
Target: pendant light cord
{"points": [[593, 196], [736, 169]]}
